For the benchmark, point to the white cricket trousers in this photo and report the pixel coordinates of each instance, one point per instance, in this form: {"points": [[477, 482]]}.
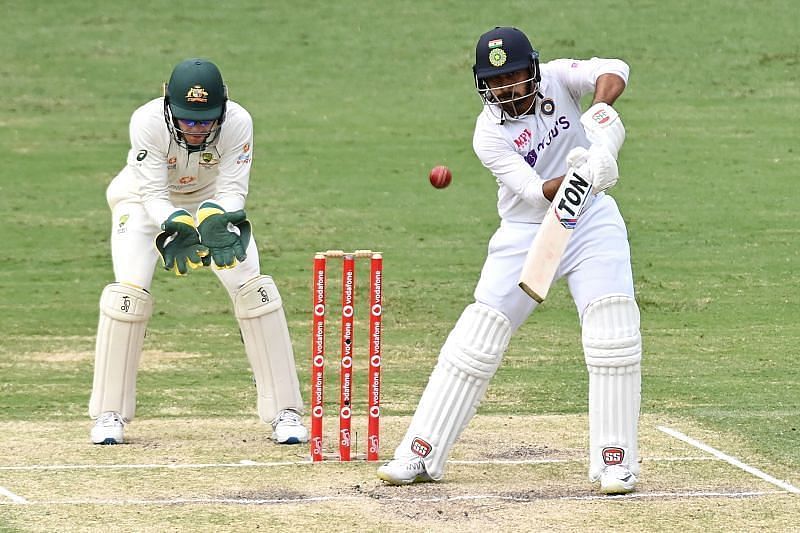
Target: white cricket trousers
{"points": [[596, 263]]}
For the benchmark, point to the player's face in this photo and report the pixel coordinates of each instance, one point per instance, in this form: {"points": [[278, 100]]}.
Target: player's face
{"points": [[195, 132], [515, 92]]}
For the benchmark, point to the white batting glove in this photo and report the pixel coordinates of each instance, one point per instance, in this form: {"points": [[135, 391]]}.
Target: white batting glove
{"points": [[603, 126], [602, 166], [577, 157]]}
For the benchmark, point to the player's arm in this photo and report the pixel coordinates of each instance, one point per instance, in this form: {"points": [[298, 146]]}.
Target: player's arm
{"points": [[608, 88], [509, 167], [147, 159]]}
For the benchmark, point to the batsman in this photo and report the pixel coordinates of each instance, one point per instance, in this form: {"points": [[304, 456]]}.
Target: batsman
{"points": [[532, 131], [180, 199]]}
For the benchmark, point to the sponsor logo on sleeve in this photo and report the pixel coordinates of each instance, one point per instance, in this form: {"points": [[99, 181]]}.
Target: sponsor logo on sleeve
{"points": [[141, 155]]}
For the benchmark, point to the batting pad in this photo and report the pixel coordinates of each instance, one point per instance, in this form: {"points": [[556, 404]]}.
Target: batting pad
{"points": [[613, 349], [467, 362], [259, 310], [124, 312]]}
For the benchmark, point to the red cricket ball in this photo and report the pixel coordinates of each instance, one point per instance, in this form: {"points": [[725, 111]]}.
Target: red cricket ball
{"points": [[440, 176]]}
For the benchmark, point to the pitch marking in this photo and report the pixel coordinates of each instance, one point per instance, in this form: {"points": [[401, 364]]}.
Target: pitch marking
{"points": [[244, 463], [11, 496], [730, 460], [443, 499]]}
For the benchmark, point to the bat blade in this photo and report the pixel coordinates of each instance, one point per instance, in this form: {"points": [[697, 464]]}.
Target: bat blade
{"points": [[548, 246]]}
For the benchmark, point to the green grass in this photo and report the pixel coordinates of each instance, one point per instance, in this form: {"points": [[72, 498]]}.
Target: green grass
{"points": [[353, 102]]}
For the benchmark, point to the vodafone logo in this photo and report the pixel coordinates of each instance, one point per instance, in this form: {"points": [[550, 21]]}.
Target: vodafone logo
{"points": [[374, 412], [375, 360], [347, 362], [376, 310], [347, 311], [319, 310], [345, 412], [317, 412]]}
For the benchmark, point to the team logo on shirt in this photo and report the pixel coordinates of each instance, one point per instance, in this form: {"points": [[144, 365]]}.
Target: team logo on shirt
{"points": [[186, 180], [548, 107], [497, 57], [197, 94], [207, 160], [172, 163]]}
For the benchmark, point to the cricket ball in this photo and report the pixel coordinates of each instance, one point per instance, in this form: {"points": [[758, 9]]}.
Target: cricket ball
{"points": [[440, 176]]}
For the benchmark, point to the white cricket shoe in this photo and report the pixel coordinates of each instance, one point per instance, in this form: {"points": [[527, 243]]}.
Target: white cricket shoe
{"points": [[288, 428], [108, 429], [617, 479], [404, 471]]}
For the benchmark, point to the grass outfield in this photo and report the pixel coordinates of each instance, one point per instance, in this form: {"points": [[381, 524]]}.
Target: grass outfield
{"points": [[353, 102]]}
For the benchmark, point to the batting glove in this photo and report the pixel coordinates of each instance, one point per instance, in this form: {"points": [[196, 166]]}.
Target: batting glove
{"points": [[603, 126], [179, 243], [226, 234], [602, 167]]}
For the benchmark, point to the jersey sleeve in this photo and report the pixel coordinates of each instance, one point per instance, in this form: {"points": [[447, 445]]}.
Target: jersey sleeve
{"points": [[580, 75], [236, 155], [148, 160], [509, 167]]}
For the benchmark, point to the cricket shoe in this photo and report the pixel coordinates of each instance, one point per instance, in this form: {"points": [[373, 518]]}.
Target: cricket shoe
{"points": [[108, 429], [288, 428], [617, 479], [404, 471]]}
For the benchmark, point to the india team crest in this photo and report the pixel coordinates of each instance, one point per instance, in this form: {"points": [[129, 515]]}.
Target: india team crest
{"points": [[497, 57]]}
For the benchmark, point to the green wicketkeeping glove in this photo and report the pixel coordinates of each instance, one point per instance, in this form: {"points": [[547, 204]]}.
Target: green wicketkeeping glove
{"points": [[179, 244], [225, 245]]}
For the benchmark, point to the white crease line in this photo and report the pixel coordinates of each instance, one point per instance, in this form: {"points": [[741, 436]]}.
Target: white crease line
{"points": [[11, 496], [730, 460], [381, 499], [248, 463]]}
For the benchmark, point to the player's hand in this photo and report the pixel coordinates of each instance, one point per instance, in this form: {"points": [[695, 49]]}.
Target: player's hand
{"points": [[179, 243], [604, 126], [602, 167], [226, 234]]}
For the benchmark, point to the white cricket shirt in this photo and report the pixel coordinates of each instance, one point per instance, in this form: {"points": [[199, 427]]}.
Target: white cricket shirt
{"points": [[523, 153], [160, 174]]}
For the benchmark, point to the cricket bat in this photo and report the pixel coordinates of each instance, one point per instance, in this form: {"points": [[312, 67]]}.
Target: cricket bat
{"points": [[550, 242]]}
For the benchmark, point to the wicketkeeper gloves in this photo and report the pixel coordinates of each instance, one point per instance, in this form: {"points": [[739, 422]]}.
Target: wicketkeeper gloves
{"points": [[179, 244], [218, 231]]}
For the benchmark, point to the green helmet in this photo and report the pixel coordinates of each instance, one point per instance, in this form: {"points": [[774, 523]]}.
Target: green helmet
{"points": [[195, 92]]}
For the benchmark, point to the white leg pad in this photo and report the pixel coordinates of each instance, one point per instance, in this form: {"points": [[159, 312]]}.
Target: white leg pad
{"points": [[259, 310], [612, 346], [124, 313], [467, 362]]}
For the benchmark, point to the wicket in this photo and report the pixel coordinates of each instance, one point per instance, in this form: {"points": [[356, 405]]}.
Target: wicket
{"points": [[347, 343]]}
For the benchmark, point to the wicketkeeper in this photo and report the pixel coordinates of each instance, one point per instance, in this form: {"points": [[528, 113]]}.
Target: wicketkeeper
{"points": [[180, 199], [531, 130]]}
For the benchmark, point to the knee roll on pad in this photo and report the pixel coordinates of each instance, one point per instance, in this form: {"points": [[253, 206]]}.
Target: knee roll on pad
{"points": [[613, 350], [259, 311], [124, 313], [467, 362]]}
